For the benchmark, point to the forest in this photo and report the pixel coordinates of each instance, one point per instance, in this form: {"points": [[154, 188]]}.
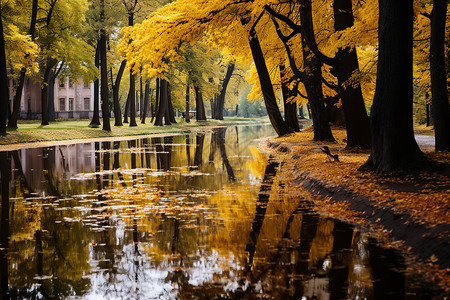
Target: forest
{"points": [[351, 62], [276, 149]]}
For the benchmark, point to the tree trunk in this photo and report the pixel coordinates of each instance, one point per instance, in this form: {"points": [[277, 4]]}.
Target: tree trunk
{"points": [[163, 103], [200, 108], [357, 121], [141, 95], [104, 75], [170, 107], [187, 116], [146, 101], [300, 112], [4, 91], [127, 109], [313, 82], [393, 143], [266, 86], [157, 98], [132, 104], [12, 122], [440, 105], [212, 102], [221, 98], [51, 92], [132, 92], [16, 102], [96, 114], [290, 108], [51, 97], [44, 90], [116, 89]]}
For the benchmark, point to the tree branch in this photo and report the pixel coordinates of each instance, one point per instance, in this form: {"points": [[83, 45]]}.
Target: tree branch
{"points": [[300, 75], [310, 40]]}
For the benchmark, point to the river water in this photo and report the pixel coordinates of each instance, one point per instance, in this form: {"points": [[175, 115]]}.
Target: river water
{"points": [[192, 216]]}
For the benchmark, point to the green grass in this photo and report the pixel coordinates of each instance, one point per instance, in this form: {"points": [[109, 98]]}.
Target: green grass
{"points": [[33, 131]]}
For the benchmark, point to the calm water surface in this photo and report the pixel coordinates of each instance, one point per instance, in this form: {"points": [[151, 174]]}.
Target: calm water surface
{"points": [[195, 216]]}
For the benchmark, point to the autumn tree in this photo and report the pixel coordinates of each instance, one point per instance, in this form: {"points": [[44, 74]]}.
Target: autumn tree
{"points": [[12, 123], [58, 25], [104, 72], [183, 21], [440, 105], [344, 64], [130, 6], [218, 105], [4, 92], [393, 143]]}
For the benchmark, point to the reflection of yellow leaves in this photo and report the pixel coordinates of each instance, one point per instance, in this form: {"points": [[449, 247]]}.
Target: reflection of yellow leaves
{"points": [[258, 165]]}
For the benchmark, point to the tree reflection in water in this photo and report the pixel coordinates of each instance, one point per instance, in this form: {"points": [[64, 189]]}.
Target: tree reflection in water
{"points": [[5, 169], [214, 222]]}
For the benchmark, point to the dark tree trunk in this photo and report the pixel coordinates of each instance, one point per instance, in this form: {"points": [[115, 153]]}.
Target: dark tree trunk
{"points": [[167, 108], [51, 97], [440, 105], [51, 93], [357, 121], [157, 98], [290, 108], [116, 89], [163, 105], [200, 108], [223, 90], [141, 95], [266, 86], [187, 116], [4, 92], [300, 112], [170, 106], [393, 143], [104, 81], [132, 91], [12, 123], [313, 82], [146, 101], [96, 114], [212, 103], [132, 103], [127, 109], [44, 90]]}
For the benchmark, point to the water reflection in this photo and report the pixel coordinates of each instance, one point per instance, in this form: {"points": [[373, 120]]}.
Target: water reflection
{"points": [[188, 216]]}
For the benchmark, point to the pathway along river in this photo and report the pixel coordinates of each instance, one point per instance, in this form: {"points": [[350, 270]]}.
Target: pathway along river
{"points": [[195, 216]]}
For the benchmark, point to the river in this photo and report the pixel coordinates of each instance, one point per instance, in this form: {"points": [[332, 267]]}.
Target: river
{"points": [[192, 216]]}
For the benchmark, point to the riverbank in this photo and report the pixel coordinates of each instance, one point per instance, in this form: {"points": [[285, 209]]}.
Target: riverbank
{"points": [[411, 212], [33, 133]]}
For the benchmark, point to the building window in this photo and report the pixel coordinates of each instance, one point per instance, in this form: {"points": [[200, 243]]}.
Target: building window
{"points": [[61, 82], [70, 83], [87, 85], [87, 103], [62, 104], [70, 104]]}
